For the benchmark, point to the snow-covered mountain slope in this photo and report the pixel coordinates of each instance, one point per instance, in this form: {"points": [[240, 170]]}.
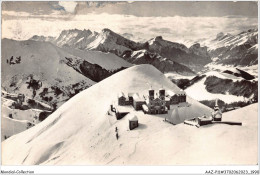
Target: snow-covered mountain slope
{"points": [[43, 70], [81, 132], [139, 53], [240, 49], [224, 40], [163, 64], [252, 70], [158, 44], [108, 41], [194, 57], [108, 61], [18, 117], [225, 86], [71, 38]]}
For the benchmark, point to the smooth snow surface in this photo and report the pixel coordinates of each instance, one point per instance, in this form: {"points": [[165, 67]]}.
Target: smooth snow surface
{"points": [[81, 132]]}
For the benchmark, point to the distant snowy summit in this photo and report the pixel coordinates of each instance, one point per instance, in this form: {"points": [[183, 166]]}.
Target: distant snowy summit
{"points": [[236, 50]]}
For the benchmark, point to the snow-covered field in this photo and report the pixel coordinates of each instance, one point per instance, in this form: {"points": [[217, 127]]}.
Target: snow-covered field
{"points": [[81, 133]]}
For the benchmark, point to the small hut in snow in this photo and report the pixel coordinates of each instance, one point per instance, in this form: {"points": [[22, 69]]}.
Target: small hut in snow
{"points": [[133, 122]]}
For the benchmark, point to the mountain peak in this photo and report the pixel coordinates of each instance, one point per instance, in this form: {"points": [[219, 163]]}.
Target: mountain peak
{"points": [[158, 38], [220, 35], [106, 30]]}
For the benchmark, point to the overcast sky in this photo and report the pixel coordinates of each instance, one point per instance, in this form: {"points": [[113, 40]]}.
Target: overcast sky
{"points": [[174, 21]]}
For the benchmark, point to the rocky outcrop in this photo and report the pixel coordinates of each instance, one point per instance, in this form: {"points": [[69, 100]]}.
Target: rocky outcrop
{"points": [[92, 71], [198, 50], [240, 73]]}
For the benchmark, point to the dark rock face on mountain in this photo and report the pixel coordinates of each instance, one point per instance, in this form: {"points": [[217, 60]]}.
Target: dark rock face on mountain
{"points": [[240, 88], [92, 71], [198, 50], [240, 73]]}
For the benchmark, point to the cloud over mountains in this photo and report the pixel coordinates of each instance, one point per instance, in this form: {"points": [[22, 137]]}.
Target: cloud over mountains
{"points": [[53, 17]]}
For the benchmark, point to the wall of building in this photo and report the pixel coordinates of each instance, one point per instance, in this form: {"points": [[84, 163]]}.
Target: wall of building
{"points": [[121, 101], [121, 115], [138, 105], [133, 124]]}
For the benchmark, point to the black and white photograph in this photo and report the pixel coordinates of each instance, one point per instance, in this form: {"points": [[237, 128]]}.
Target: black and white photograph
{"points": [[129, 83]]}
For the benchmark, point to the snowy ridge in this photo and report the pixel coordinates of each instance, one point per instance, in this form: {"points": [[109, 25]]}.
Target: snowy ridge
{"points": [[158, 41]]}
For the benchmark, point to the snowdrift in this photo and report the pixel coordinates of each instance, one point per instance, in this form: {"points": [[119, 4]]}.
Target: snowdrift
{"points": [[81, 133]]}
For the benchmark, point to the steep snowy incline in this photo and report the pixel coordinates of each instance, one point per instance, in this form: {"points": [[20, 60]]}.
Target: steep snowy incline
{"points": [[81, 132], [54, 78]]}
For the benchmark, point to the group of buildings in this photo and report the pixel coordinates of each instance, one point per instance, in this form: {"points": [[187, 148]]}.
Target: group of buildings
{"points": [[151, 103], [159, 102]]}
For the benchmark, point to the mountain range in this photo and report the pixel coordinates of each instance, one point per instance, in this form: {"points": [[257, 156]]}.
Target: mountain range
{"points": [[227, 49]]}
